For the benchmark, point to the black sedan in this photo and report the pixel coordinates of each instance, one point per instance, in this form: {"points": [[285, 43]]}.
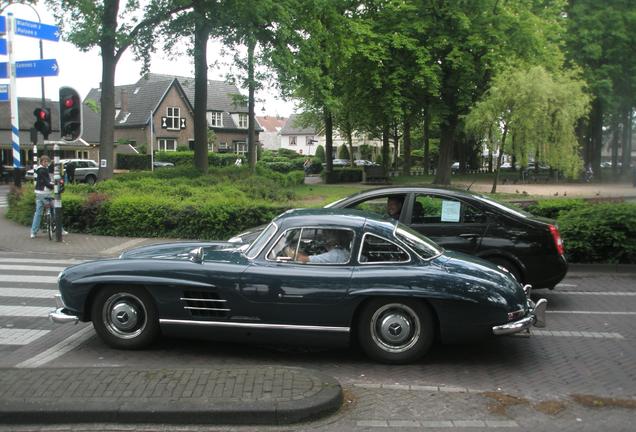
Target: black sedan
{"points": [[527, 246], [312, 276]]}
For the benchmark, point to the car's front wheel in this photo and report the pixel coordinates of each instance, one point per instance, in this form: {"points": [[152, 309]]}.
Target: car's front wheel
{"points": [[125, 318], [395, 331], [90, 179]]}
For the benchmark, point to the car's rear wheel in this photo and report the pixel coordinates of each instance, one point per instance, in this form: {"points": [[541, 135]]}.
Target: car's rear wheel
{"points": [[125, 317], [395, 331], [90, 179]]}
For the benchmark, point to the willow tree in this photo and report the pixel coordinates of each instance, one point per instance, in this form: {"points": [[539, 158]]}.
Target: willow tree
{"points": [[539, 109]]}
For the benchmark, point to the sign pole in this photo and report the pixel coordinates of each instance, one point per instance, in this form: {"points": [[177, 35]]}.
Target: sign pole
{"points": [[15, 117], [57, 203]]}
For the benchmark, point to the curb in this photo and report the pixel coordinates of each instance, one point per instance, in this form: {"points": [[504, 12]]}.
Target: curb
{"points": [[51, 407], [602, 268]]}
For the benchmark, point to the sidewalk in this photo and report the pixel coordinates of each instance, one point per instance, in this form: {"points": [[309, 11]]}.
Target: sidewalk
{"points": [[246, 396]]}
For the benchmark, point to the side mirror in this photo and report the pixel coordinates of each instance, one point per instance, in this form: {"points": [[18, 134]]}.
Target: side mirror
{"points": [[196, 255]]}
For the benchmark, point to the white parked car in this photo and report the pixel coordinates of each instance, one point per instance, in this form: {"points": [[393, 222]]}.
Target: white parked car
{"points": [[85, 170]]}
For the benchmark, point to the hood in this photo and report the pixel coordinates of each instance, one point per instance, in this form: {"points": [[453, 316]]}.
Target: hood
{"points": [[482, 274], [179, 251]]}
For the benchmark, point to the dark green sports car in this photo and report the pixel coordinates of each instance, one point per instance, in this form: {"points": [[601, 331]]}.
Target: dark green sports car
{"points": [[311, 277]]}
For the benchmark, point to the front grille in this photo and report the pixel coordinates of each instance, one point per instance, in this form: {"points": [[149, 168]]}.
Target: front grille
{"points": [[205, 304]]}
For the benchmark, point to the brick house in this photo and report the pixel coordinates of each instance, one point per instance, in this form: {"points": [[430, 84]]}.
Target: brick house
{"points": [[169, 100]]}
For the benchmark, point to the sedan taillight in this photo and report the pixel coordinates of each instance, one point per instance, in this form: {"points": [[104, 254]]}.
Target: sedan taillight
{"points": [[558, 242]]}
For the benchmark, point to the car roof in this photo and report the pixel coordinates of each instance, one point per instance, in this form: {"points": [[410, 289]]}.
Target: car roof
{"points": [[396, 190], [348, 218]]}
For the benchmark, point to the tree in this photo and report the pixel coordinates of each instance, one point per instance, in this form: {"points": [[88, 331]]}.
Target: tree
{"points": [[538, 110], [320, 153], [89, 24], [343, 153]]}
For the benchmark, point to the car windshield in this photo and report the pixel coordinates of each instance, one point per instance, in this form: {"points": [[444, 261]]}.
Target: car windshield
{"points": [[504, 206], [424, 247], [261, 240]]}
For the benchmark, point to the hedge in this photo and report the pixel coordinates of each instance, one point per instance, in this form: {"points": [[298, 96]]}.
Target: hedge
{"points": [[343, 175], [133, 161], [600, 233], [551, 208]]}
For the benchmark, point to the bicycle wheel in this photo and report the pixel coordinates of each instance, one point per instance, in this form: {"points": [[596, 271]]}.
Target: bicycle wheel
{"points": [[50, 224]]}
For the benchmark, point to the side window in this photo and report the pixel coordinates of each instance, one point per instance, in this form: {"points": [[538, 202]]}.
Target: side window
{"points": [[428, 209], [378, 250], [474, 214], [314, 246], [388, 205]]}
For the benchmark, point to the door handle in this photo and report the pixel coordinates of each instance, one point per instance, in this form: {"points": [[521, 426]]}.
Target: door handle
{"points": [[469, 236]]}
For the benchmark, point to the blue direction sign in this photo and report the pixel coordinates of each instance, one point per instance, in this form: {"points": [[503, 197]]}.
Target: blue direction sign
{"points": [[31, 68], [3, 46], [37, 30], [3, 25], [4, 92]]}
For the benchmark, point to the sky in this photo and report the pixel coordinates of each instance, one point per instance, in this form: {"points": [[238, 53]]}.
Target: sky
{"points": [[82, 71]]}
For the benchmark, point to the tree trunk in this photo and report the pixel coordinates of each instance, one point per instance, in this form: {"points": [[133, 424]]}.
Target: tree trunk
{"points": [[596, 137], [201, 36], [385, 148], [499, 157], [396, 148], [328, 140], [627, 143], [107, 100], [251, 129], [350, 143], [615, 143], [426, 133], [406, 167], [447, 138]]}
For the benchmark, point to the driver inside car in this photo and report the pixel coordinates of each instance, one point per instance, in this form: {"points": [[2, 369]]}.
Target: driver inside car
{"points": [[336, 245]]}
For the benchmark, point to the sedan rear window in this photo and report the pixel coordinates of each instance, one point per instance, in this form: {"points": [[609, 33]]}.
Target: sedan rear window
{"points": [[424, 247], [261, 240]]}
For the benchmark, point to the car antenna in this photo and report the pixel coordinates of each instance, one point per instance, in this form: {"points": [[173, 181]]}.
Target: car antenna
{"points": [[470, 185]]}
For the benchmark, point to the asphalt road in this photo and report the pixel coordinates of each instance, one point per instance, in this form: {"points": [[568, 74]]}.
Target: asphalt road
{"points": [[588, 348]]}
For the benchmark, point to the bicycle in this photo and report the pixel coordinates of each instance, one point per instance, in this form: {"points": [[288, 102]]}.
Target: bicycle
{"points": [[48, 218]]}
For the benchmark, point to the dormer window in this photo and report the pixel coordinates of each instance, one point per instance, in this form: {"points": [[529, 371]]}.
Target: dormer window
{"points": [[172, 118], [215, 119], [242, 121]]}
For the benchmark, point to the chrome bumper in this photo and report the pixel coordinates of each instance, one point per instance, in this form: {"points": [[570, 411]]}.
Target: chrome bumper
{"points": [[61, 315], [535, 316]]}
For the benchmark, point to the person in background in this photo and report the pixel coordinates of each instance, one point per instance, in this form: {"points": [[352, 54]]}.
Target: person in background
{"points": [[43, 189], [394, 206]]}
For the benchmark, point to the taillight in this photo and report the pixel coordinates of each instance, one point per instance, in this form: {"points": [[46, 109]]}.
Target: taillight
{"points": [[557, 239]]}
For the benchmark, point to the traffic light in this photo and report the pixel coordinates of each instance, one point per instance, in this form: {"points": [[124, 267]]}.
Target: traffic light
{"points": [[70, 114], [43, 121]]}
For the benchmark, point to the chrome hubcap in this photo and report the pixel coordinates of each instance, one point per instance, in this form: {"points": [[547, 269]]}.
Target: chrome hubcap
{"points": [[124, 315], [395, 327]]}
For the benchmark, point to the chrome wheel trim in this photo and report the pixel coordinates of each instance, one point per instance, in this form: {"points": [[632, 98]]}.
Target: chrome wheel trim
{"points": [[124, 315], [395, 328]]}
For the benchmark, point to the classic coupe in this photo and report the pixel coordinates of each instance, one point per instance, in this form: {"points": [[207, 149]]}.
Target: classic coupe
{"points": [[312, 276], [528, 246]]}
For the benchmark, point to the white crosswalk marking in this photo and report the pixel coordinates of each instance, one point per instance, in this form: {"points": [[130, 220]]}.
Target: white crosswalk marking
{"points": [[38, 262], [13, 336], [25, 311], [27, 292], [31, 268], [29, 279]]}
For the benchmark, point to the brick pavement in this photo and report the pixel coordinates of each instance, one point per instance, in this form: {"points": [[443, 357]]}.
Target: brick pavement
{"points": [[252, 395]]}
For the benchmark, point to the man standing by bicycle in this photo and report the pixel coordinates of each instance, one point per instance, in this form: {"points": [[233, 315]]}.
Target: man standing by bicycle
{"points": [[43, 188]]}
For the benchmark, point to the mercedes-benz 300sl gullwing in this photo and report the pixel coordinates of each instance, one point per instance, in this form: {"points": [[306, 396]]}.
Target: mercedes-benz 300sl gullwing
{"points": [[320, 276]]}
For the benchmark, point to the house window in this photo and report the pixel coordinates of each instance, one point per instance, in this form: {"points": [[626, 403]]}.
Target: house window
{"points": [[167, 144], [223, 146], [81, 154], [242, 121], [172, 118], [215, 119], [241, 147], [292, 140]]}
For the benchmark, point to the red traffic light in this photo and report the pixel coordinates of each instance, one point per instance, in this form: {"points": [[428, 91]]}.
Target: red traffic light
{"points": [[42, 115], [68, 103]]}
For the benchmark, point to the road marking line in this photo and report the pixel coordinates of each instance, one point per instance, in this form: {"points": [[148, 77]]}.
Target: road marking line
{"points": [[437, 423], [39, 261], [25, 311], [565, 333], [28, 293], [32, 268], [566, 285], [592, 293], [590, 312], [30, 279], [15, 336], [58, 349], [123, 246]]}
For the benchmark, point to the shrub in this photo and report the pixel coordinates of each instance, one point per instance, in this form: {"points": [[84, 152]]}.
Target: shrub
{"points": [[133, 161], [181, 158], [343, 152], [320, 154], [551, 208], [600, 233], [343, 175]]}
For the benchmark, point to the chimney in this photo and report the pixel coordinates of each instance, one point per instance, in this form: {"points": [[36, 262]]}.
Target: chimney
{"points": [[124, 101]]}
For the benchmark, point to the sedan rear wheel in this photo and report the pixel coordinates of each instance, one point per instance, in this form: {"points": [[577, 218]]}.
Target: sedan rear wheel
{"points": [[395, 331], [125, 317]]}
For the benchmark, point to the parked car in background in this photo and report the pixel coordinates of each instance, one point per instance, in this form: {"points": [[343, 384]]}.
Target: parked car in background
{"points": [[363, 163], [341, 162], [388, 288], [528, 247], [160, 164], [86, 170]]}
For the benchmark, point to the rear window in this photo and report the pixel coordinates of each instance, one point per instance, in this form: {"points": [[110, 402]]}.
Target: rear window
{"points": [[261, 240]]}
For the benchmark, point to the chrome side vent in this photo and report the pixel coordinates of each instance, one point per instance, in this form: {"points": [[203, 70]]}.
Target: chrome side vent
{"points": [[205, 304]]}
